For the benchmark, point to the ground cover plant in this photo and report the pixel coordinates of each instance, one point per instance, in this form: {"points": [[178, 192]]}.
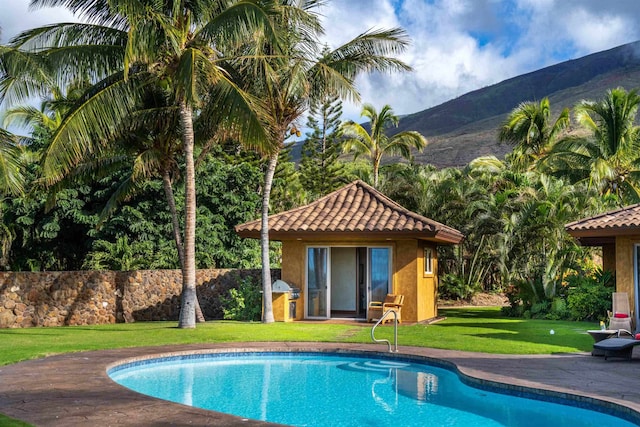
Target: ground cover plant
{"points": [[466, 329]]}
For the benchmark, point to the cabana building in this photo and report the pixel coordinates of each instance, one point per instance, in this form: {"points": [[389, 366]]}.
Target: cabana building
{"points": [[352, 247], [618, 233]]}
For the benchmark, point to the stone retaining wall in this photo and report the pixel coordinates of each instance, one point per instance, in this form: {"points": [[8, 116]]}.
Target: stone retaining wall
{"points": [[98, 297]]}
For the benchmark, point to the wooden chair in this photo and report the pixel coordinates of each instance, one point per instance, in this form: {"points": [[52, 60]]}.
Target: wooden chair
{"points": [[377, 309]]}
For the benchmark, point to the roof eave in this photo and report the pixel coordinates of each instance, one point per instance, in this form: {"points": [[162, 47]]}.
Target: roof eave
{"points": [[604, 232], [441, 237]]}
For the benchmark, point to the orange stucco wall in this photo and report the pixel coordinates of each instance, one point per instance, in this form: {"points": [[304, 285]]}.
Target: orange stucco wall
{"points": [[624, 265], [409, 278], [405, 278], [428, 283]]}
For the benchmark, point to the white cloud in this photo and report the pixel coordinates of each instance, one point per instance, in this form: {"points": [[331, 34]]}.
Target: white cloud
{"points": [[446, 59], [463, 45], [591, 32], [15, 17], [457, 45]]}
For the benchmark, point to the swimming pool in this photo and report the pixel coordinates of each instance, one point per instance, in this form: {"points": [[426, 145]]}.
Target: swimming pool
{"points": [[320, 389]]}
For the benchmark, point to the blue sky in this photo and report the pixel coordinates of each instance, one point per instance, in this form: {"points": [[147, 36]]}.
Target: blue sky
{"points": [[457, 45]]}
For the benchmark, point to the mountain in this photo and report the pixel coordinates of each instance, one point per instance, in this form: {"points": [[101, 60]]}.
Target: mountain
{"points": [[466, 127]]}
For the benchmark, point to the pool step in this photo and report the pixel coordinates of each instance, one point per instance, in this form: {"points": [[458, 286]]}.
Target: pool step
{"points": [[373, 366]]}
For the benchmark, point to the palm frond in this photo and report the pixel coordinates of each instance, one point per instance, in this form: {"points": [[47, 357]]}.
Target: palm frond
{"points": [[92, 124], [370, 51], [98, 11], [127, 189], [23, 75], [11, 179]]}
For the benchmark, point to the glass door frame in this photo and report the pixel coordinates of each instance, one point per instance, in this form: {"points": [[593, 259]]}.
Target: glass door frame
{"points": [[367, 273], [306, 282]]}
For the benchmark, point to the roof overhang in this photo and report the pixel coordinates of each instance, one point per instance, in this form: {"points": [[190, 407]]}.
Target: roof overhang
{"points": [[441, 237], [602, 236], [357, 211]]}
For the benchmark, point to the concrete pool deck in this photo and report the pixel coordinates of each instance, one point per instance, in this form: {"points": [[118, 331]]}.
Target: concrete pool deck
{"points": [[74, 390]]}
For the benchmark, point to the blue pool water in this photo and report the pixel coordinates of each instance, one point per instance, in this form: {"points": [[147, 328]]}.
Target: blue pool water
{"points": [[321, 389]]}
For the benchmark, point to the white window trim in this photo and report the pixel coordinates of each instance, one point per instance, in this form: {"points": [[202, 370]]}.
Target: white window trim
{"points": [[428, 260]]}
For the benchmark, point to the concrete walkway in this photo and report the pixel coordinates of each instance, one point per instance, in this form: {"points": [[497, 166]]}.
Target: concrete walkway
{"points": [[74, 389]]}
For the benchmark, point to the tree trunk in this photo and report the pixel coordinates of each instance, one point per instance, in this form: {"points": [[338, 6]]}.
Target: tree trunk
{"points": [[267, 302], [189, 299], [168, 191], [376, 168]]}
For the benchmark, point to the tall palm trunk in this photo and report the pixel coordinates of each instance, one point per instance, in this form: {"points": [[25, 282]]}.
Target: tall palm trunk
{"points": [[267, 302], [376, 171], [171, 201], [188, 306]]}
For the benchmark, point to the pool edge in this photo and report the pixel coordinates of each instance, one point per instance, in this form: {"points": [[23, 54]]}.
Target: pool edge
{"points": [[576, 399]]}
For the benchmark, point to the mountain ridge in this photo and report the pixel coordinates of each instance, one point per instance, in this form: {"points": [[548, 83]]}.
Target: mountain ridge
{"points": [[466, 127]]}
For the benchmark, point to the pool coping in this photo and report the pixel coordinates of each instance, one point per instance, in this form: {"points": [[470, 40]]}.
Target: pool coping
{"points": [[74, 388]]}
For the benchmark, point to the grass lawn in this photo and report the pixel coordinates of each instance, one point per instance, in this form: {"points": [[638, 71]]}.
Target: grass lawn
{"points": [[467, 329], [12, 422]]}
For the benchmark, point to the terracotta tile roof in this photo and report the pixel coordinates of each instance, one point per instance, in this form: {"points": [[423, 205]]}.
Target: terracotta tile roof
{"points": [[356, 210], [602, 228]]}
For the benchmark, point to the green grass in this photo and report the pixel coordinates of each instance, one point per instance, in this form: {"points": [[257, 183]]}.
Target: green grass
{"points": [[12, 422], [477, 329]]}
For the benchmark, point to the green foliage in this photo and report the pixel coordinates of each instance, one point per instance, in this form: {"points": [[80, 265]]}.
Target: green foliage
{"points": [[454, 287], [320, 170], [513, 221], [589, 296], [288, 191], [244, 302], [228, 195], [358, 169], [119, 256], [606, 157], [51, 239], [526, 299], [138, 235], [582, 297], [374, 144]]}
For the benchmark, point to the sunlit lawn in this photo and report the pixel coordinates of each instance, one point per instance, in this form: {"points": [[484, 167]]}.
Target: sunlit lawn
{"points": [[477, 329]]}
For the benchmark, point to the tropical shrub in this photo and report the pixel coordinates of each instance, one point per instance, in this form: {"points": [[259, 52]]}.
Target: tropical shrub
{"points": [[589, 296], [582, 297], [454, 287], [244, 302], [526, 299]]}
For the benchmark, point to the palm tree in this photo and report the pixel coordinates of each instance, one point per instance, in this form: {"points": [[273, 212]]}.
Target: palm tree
{"points": [[377, 144], [607, 158], [126, 47], [530, 130], [11, 179], [297, 71], [11, 183]]}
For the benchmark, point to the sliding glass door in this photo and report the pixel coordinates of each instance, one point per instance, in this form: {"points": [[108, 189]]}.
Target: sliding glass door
{"points": [[328, 273], [379, 273], [317, 282]]}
